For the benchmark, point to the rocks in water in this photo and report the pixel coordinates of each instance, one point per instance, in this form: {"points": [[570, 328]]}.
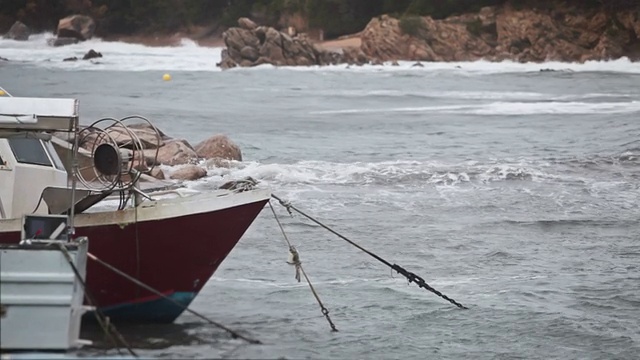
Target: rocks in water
{"points": [[3, 59], [91, 54], [220, 147], [73, 29], [189, 172], [147, 136], [354, 56], [62, 41], [174, 152], [253, 45], [80, 27], [18, 31]]}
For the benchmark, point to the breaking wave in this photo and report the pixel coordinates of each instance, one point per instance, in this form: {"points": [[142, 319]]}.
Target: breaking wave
{"points": [[120, 56], [395, 173], [504, 108]]}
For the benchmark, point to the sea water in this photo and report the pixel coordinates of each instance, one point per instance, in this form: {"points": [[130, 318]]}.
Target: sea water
{"points": [[511, 188]]}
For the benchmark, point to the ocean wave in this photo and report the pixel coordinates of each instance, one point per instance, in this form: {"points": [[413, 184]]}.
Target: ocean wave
{"points": [[471, 95], [388, 173], [117, 56], [120, 56], [503, 108], [573, 223], [604, 162]]}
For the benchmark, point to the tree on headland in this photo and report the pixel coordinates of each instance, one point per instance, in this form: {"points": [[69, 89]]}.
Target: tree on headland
{"points": [[334, 17]]}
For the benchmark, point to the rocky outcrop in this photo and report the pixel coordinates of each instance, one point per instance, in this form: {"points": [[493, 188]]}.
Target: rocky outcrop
{"points": [[62, 41], [174, 152], [73, 29], [218, 147], [563, 32], [91, 54], [189, 172], [18, 31], [504, 32], [252, 45], [80, 27], [164, 150]]}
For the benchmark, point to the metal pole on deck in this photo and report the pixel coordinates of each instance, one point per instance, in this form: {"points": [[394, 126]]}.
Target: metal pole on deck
{"points": [[74, 170]]}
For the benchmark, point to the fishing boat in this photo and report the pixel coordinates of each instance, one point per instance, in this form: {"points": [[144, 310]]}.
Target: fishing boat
{"points": [[171, 240]]}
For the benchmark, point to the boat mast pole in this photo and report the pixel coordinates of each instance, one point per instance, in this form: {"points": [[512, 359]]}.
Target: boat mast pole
{"points": [[74, 170]]}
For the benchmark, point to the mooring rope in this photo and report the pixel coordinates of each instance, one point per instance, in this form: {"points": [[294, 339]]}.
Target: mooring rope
{"points": [[102, 320], [298, 264], [233, 333], [409, 275]]}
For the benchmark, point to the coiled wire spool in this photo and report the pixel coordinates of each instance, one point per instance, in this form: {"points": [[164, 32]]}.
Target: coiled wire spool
{"points": [[116, 155]]}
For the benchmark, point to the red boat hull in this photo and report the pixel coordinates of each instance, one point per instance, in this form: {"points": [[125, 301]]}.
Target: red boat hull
{"points": [[175, 255]]}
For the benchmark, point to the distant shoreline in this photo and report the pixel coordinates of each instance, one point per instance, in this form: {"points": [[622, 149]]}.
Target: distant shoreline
{"points": [[216, 41]]}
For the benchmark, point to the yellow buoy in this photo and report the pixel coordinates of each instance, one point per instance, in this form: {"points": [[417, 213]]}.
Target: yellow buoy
{"points": [[166, 77], [2, 93]]}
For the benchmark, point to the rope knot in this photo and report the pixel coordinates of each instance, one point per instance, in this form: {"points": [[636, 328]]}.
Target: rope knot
{"points": [[294, 259]]}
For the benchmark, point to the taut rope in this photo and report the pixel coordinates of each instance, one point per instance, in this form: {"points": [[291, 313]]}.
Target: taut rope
{"points": [[409, 275], [298, 264]]}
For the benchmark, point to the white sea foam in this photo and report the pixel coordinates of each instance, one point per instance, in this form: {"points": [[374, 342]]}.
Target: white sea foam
{"points": [[117, 56], [397, 173], [189, 56], [470, 95], [504, 108]]}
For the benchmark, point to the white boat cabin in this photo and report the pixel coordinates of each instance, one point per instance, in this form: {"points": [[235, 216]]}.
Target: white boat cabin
{"points": [[32, 175]]}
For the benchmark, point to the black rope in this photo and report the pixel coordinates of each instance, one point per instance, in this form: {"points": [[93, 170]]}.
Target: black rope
{"points": [[409, 275], [102, 320], [234, 334]]}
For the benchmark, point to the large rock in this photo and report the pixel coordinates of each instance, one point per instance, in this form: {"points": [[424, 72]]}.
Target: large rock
{"points": [[428, 40], [18, 31], [149, 139], [80, 27], [174, 152], [524, 34], [246, 23], [189, 172], [218, 146], [62, 41], [252, 45]]}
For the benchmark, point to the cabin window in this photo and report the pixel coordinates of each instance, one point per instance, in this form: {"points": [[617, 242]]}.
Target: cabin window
{"points": [[29, 151], [57, 162]]}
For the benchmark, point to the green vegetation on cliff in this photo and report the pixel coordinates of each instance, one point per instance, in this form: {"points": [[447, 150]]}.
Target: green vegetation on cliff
{"points": [[334, 17]]}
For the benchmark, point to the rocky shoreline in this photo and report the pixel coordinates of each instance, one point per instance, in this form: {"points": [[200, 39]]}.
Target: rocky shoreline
{"points": [[496, 33], [524, 34]]}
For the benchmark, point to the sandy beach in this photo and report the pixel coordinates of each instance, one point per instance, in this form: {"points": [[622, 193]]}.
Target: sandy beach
{"points": [[341, 43]]}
